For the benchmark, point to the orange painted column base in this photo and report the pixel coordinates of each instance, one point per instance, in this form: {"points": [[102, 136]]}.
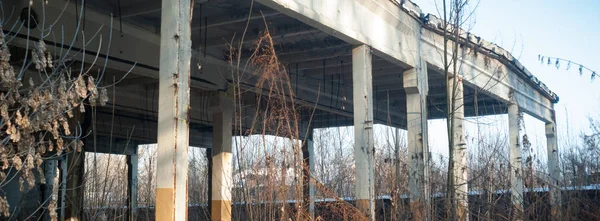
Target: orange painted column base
{"points": [[221, 210], [165, 209]]}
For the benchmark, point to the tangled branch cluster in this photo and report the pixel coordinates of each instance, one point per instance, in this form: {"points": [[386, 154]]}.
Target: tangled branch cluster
{"points": [[35, 117]]}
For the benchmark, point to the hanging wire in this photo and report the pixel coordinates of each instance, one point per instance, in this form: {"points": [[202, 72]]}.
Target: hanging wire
{"points": [[323, 79], [84, 10], [76, 14], [200, 29], [205, 34], [332, 95], [120, 18], [200, 38], [339, 83], [83, 14], [344, 91], [557, 62]]}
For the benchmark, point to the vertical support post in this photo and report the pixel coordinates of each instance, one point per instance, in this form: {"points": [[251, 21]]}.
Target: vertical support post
{"points": [[173, 110], [455, 88], [50, 172], [209, 160], [132, 179], [75, 186], [398, 157], [63, 187], [396, 196], [75, 172], [222, 179], [415, 85], [553, 170], [516, 162], [362, 84], [308, 182]]}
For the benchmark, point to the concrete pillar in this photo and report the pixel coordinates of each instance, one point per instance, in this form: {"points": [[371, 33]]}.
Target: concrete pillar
{"points": [[173, 110], [62, 200], [308, 153], [516, 166], [222, 178], [398, 157], [362, 84], [50, 173], [209, 158], [132, 185], [553, 171], [459, 150], [75, 186], [416, 119]]}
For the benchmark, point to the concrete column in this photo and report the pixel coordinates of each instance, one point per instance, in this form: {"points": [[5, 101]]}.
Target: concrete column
{"points": [[362, 84], [222, 178], [75, 170], [553, 171], [308, 154], [416, 119], [209, 158], [75, 186], [50, 173], [516, 166], [63, 187], [398, 157], [459, 150], [132, 185], [173, 110]]}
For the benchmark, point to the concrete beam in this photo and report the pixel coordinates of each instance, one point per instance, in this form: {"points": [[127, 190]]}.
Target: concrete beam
{"points": [[382, 69], [143, 128], [137, 10], [173, 110], [363, 129], [489, 75], [554, 172], [383, 25], [346, 69], [393, 34], [228, 21], [147, 8], [276, 34], [516, 161], [459, 149], [120, 52], [316, 55], [222, 177]]}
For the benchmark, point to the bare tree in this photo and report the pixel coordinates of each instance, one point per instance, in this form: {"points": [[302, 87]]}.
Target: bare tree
{"points": [[42, 92], [455, 15]]}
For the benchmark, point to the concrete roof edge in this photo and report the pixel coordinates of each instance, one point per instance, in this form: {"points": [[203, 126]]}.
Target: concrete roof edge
{"points": [[432, 22]]}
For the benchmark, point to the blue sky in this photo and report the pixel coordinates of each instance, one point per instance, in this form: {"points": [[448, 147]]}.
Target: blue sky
{"points": [[557, 28]]}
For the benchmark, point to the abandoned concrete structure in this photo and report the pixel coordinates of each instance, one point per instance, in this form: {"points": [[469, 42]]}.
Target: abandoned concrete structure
{"points": [[368, 48]]}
